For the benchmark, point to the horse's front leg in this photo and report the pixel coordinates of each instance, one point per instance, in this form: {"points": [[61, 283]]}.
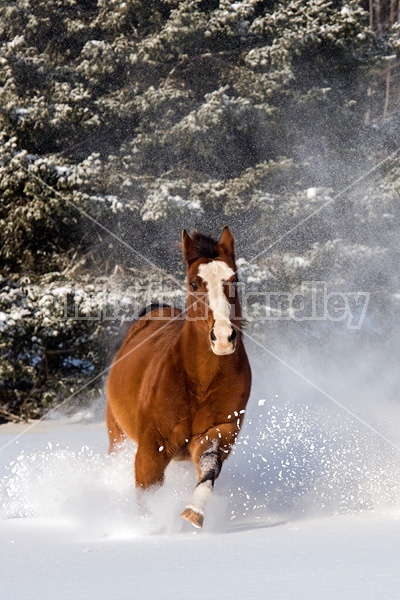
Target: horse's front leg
{"points": [[151, 460], [208, 452]]}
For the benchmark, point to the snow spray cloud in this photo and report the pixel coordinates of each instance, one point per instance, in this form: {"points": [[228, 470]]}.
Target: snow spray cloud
{"points": [[93, 492], [291, 461], [296, 459]]}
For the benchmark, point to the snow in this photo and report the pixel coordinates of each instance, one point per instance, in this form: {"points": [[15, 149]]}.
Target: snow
{"points": [[9, 320], [62, 171], [301, 509], [274, 562], [21, 112]]}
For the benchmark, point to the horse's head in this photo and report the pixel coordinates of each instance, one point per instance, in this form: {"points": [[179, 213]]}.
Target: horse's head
{"points": [[212, 294]]}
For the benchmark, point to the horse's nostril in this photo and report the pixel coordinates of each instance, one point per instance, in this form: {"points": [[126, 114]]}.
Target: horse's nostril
{"points": [[212, 335], [233, 335]]}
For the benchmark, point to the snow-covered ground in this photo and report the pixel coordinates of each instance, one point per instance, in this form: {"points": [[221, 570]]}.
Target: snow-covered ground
{"points": [[308, 507]]}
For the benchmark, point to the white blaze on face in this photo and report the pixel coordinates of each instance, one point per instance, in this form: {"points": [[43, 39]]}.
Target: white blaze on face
{"points": [[214, 274]]}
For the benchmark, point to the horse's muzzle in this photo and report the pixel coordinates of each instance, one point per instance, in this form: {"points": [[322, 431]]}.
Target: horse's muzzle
{"points": [[223, 340]]}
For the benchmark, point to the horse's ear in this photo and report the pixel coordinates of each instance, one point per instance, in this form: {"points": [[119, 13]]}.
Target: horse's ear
{"points": [[227, 241], [187, 245]]}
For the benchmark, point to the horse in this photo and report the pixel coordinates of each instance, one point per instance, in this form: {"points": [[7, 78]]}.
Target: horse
{"points": [[180, 382]]}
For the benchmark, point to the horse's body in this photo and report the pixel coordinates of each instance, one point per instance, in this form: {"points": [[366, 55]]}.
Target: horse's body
{"points": [[179, 385]]}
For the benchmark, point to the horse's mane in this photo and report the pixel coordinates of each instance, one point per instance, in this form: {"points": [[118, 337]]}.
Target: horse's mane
{"points": [[204, 246], [150, 307]]}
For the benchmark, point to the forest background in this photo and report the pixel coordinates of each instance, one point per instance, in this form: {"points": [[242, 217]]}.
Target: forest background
{"points": [[123, 122]]}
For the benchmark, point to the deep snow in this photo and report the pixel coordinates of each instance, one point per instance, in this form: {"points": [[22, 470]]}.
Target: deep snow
{"points": [[307, 507]]}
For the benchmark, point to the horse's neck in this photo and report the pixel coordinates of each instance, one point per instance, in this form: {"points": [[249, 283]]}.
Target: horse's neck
{"points": [[198, 360]]}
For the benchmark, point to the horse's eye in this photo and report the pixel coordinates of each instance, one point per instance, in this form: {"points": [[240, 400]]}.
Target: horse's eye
{"points": [[194, 286]]}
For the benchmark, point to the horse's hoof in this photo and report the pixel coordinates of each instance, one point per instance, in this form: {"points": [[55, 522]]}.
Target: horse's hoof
{"points": [[193, 517]]}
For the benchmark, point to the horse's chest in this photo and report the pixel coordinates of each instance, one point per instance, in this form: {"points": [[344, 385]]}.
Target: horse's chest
{"points": [[205, 412]]}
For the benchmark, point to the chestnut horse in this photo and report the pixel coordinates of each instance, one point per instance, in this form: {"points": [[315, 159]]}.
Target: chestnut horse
{"points": [[179, 384]]}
